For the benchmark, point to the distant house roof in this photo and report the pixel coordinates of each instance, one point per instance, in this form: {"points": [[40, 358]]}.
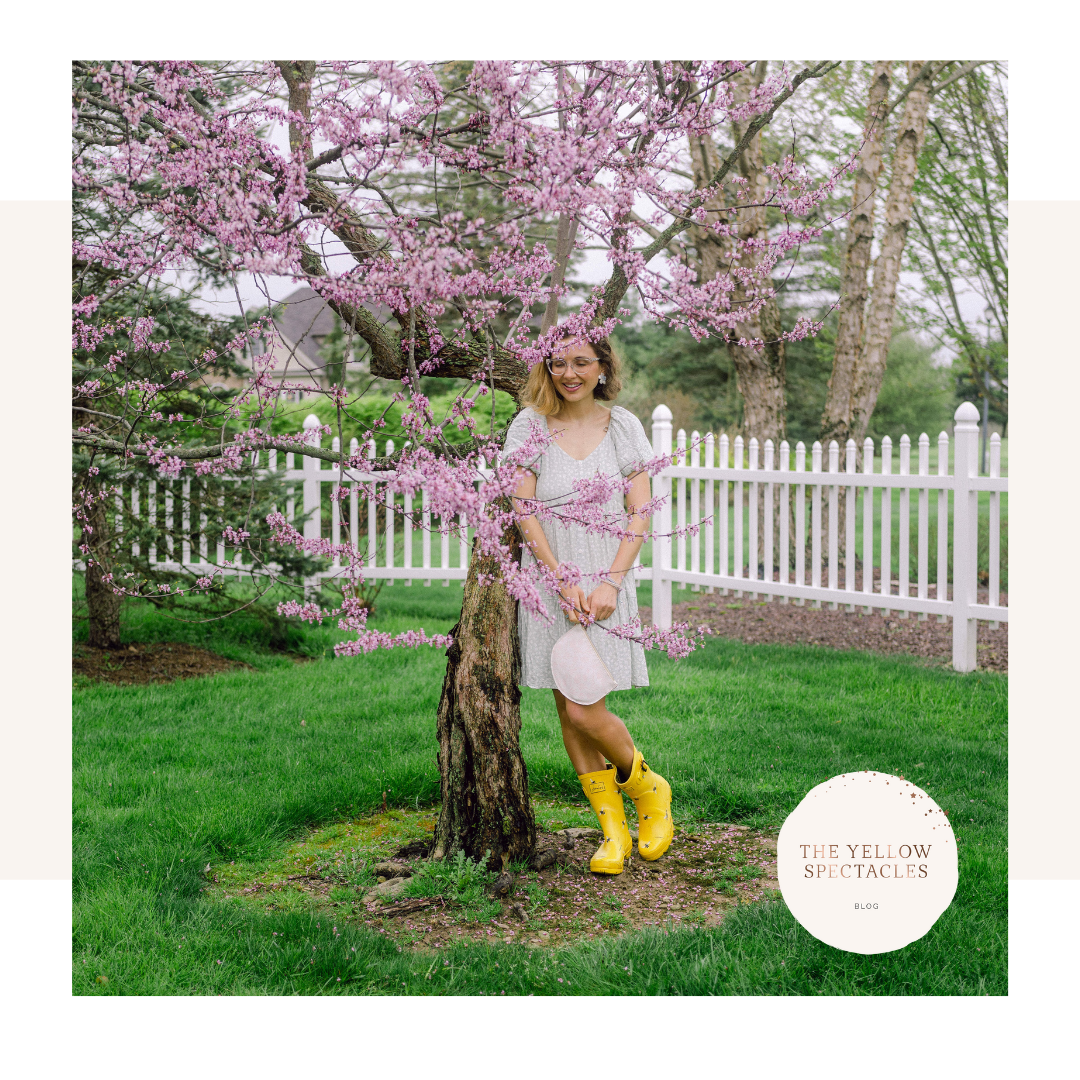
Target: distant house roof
{"points": [[306, 318]]}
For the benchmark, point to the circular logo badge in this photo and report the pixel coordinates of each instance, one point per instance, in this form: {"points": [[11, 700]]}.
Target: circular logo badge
{"points": [[867, 862]]}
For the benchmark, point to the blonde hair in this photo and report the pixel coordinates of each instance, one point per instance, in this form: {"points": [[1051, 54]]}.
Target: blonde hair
{"points": [[540, 393]]}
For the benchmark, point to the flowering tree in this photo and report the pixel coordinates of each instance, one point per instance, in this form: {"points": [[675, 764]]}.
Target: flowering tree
{"points": [[420, 202]]}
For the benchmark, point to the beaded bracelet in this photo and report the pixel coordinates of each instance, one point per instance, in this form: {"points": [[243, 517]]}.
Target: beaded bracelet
{"points": [[608, 581]]}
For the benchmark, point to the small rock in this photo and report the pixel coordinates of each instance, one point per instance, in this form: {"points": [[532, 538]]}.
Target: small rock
{"points": [[542, 860], [578, 834], [392, 869], [519, 911], [387, 890], [502, 884], [543, 934]]}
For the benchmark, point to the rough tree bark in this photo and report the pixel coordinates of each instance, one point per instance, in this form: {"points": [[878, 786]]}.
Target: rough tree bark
{"points": [[103, 605], [485, 787]]}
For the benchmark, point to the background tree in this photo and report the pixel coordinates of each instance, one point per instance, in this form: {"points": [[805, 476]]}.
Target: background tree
{"points": [[759, 368], [868, 314], [862, 348], [960, 239], [147, 336]]}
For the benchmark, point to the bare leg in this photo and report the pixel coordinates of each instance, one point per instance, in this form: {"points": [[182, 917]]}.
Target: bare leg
{"points": [[591, 733]]}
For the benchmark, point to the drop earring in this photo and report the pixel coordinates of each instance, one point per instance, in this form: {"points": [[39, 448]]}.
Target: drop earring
{"points": [[602, 380]]}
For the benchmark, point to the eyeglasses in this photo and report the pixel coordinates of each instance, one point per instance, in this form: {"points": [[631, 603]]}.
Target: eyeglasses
{"points": [[580, 365]]}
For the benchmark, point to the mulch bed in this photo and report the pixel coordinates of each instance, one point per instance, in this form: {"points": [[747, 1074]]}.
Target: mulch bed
{"points": [[705, 874], [156, 663], [761, 623]]}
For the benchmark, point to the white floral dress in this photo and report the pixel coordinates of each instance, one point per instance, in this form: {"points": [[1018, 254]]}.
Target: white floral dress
{"points": [[624, 447]]}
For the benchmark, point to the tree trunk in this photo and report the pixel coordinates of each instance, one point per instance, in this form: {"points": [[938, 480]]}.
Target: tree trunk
{"points": [[861, 354], [486, 808], [760, 374], [103, 605], [854, 286], [879, 322]]}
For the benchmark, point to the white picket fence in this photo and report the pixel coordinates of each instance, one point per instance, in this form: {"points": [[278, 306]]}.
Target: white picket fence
{"points": [[170, 502], [742, 477], [754, 479]]}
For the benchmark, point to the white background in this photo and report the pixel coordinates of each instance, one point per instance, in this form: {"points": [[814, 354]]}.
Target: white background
{"points": [[47, 1033]]}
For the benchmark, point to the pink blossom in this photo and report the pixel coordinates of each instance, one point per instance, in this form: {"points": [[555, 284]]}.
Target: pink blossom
{"points": [[606, 143]]}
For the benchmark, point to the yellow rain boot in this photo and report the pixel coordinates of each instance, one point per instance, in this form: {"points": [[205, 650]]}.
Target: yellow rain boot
{"points": [[652, 797], [603, 794]]}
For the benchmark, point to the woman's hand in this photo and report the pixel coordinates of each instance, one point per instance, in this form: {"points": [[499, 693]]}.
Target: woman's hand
{"points": [[601, 602], [575, 595]]}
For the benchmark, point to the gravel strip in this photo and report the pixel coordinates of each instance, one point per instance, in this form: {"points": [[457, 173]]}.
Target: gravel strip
{"points": [[758, 622]]}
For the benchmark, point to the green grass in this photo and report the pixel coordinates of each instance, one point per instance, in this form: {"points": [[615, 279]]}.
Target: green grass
{"points": [[245, 637], [172, 777]]}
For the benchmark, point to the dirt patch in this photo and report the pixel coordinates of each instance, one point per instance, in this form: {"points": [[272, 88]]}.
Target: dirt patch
{"points": [[702, 877], [758, 622], [707, 872], [130, 665]]}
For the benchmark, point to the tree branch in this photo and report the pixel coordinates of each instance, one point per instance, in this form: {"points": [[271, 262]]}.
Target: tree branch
{"points": [[925, 72], [966, 69], [617, 284]]}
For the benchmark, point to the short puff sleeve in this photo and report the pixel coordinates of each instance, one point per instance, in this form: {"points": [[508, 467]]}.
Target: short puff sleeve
{"points": [[518, 433], [632, 445]]}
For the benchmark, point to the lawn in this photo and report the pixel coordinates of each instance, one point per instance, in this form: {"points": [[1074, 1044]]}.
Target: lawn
{"points": [[238, 766]]}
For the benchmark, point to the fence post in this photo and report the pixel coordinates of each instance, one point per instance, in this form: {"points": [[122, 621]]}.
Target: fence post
{"points": [[388, 499], [680, 446], [965, 534], [661, 585], [768, 544], [995, 527], [335, 505], [312, 494], [752, 518], [710, 509], [850, 451]]}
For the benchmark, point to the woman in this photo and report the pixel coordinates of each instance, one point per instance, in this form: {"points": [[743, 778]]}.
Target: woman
{"points": [[565, 395]]}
